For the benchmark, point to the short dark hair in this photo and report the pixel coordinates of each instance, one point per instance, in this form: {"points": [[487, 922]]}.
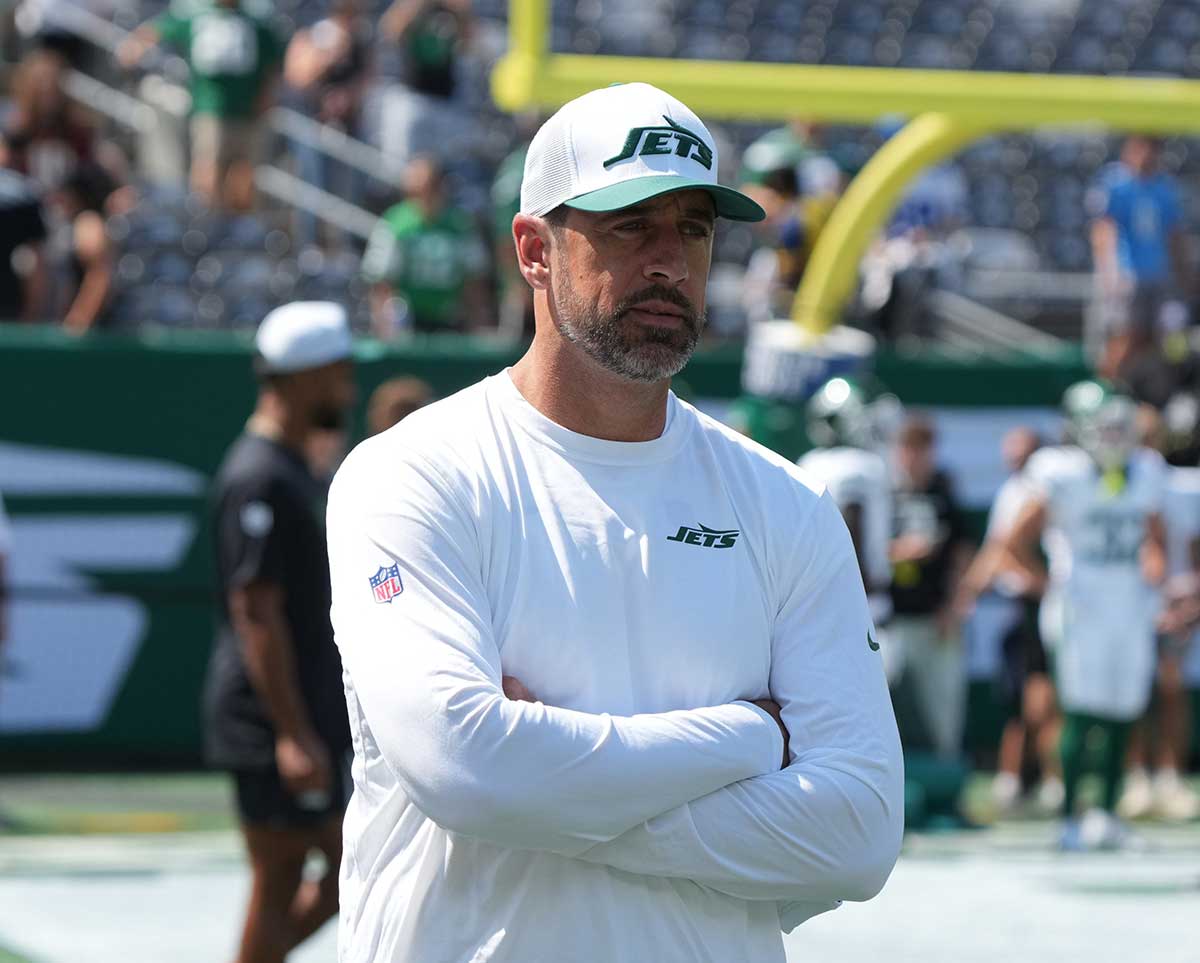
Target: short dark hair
{"points": [[557, 216], [783, 180]]}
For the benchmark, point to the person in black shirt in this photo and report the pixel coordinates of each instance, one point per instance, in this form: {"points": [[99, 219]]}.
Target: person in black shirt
{"points": [[929, 553], [326, 68], [275, 711], [22, 228]]}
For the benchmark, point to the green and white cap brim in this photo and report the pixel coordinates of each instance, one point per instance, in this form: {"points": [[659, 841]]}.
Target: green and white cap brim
{"points": [[622, 145], [729, 203]]}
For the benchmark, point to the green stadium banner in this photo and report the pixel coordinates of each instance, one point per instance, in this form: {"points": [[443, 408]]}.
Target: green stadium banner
{"points": [[107, 446]]}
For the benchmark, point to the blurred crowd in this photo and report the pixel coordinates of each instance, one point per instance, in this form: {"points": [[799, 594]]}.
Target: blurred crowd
{"points": [[351, 151]]}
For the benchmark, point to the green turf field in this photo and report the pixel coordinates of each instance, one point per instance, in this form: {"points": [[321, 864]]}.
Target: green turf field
{"points": [[148, 869]]}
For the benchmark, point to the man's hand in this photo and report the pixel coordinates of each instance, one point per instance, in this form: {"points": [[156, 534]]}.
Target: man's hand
{"points": [[772, 709], [303, 764], [515, 690]]}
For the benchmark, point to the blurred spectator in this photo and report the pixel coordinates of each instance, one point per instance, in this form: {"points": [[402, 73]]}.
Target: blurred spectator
{"points": [[1160, 742], [47, 135], [87, 274], [934, 206], [327, 65], [777, 263], [38, 23], [24, 282], [5, 554], [1154, 376], [797, 146], [420, 116], [912, 258], [514, 296], [1003, 605], [426, 261], [1139, 254], [798, 185], [233, 57], [275, 716], [1166, 376], [395, 400], [929, 552]]}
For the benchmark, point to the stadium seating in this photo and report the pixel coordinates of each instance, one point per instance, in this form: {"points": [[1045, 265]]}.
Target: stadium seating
{"points": [[1031, 183]]}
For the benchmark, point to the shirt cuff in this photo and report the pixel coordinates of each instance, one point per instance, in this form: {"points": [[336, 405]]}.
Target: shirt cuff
{"points": [[775, 737]]}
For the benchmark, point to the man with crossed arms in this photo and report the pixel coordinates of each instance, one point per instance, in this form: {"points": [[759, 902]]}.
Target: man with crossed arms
{"points": [[579, 619]]}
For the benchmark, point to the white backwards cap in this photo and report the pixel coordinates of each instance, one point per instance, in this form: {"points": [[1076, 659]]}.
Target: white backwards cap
{"points": [[302, 335]]}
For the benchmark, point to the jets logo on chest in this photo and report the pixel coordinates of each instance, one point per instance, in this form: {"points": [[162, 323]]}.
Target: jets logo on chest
{"points": [[705, 537]]}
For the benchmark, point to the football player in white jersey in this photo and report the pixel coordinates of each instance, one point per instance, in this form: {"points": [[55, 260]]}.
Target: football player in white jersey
{"points": [[851, 420], [1098, 503]]}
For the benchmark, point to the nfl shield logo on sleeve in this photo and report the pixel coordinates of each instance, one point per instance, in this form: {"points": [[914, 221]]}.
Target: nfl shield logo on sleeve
{"points": [[386, 584]]}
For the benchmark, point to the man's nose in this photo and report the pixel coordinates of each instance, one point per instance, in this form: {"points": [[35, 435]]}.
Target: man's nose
{"points": [[668, 260]]}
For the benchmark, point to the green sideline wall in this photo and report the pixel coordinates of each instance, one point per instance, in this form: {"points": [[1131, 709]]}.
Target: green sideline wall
{"points": [[114, 436]]}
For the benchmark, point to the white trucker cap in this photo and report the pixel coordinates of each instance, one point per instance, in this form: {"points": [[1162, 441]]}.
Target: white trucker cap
{"points": [[621, 145], [302, 335]]}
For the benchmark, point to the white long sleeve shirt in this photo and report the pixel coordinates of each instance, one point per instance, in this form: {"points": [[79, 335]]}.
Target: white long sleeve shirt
{"points": [[641, 591]]}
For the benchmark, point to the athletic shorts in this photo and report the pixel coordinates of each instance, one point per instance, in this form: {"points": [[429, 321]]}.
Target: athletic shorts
{"points": [[1022, 656], [1136, 308], [222, 141], [263, 800]]}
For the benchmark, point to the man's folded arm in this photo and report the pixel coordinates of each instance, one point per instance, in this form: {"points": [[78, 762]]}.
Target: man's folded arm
{"points": [[426, 671], [828, 827]]}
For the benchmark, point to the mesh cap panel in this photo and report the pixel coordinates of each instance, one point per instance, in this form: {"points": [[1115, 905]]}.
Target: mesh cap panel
{"points": [[550, 168]]}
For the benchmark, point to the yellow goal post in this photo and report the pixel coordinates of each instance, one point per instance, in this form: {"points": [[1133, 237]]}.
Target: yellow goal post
{"points": [[947, 110]]}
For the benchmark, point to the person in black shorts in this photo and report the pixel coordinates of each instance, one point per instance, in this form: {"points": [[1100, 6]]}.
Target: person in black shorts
{"points": [[275, 711]]}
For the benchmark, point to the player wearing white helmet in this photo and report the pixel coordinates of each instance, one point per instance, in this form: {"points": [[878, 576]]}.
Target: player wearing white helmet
{"points": [[1098, 503], [850, 420]]}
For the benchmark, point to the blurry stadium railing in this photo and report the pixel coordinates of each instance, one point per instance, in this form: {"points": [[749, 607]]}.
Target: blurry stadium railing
{"points": [[949, 109], [335, 143], [125, 110], [298, 192], [284, 186], [137, 115], [968, 322]]}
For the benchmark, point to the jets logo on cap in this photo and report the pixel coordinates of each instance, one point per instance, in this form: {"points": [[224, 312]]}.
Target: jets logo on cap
{"points": [[671, 139]]}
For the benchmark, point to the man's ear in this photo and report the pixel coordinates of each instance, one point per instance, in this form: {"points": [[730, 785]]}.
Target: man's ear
{"points": [[532, 239]]}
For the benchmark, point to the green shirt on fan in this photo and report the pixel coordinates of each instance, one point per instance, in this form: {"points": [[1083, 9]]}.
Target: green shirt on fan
{"points": [[230, 51], [428, 262]]}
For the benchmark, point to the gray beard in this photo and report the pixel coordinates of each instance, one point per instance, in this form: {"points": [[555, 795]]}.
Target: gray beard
{"points": [[636, 353]]}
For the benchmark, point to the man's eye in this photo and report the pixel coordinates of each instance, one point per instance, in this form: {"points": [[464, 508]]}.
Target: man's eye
{"points": [[697, 229], [631, 226]]}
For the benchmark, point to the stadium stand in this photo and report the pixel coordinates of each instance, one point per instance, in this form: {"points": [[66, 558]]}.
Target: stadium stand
{"points": [[1025, 192]]}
